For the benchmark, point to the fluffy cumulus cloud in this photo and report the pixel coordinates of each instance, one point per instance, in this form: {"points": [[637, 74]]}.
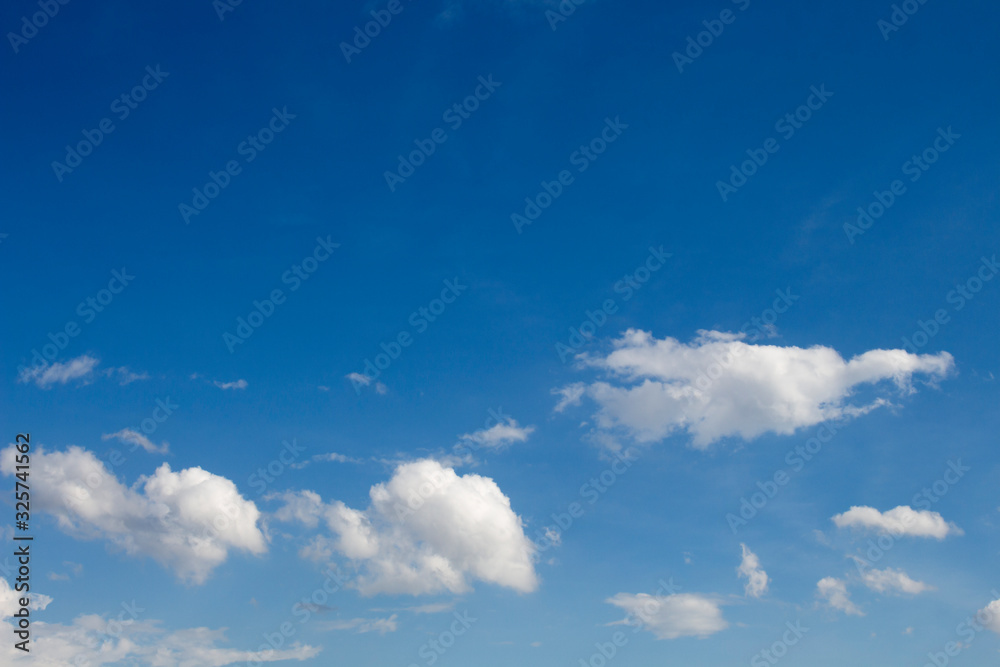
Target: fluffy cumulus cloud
{"points": [[757, 579], [672, 616], [989, 616], [186, 520], [890, 580], [427, 530], [497, 436], [718, 385], [80, 368], [899, 521], [127, 639], [834, 593]]}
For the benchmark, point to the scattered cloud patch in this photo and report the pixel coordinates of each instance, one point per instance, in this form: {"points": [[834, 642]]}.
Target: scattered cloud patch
{"points": [[186, 520], [236, 384], [834, 593], [361, 625], [136, 439], [893, 581], [80, 368], [756, 577], [426, 531], [125, 376], [672, 616], [899, 521], [719, 386], [497, 436]]}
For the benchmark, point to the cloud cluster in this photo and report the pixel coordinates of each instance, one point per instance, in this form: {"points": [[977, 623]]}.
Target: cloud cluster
{"points": [[672, 616], [427, 530], [757, 579], [718, 385], [95, 640], [899, 521], [186, 520]]}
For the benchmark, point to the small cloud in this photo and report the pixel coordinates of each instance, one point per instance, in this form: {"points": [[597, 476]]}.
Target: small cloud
{"points": [[58, 577], [125, 376], [323, 387], [757, 579], [570, 395], [361, 625], [358, 378], [497, 436], [893, 581], [834, 593], [899, 521], [671, 616], [381, 388], [80, 368], [333, 457], [908, 631], [536, 644], [238, 384], [136, 439]]}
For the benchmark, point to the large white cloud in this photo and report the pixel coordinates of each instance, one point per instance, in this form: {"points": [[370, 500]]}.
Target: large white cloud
{"points": [[427, 530], [719, 386], [891, 580], [130, 639], [672, 616], [186, 520], [750, 568], [834, 592], [899, 521]]}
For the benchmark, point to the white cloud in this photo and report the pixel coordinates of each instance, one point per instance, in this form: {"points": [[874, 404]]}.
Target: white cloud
{"points": [[57, 372], [569, 396], [427, 530], [95, 640], [719, 386], [9, 602], [892, 581], [358, 380], [989, 616], [130, 437], [125, 376], [672, 616], [757, 579], [497, 436], [236, 384], [334, 457], [187, 520], [899, 521], [834, 593], [361, 625]]}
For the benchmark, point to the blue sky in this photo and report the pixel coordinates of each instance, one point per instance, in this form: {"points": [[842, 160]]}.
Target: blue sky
{"points": [[694, 210]]}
